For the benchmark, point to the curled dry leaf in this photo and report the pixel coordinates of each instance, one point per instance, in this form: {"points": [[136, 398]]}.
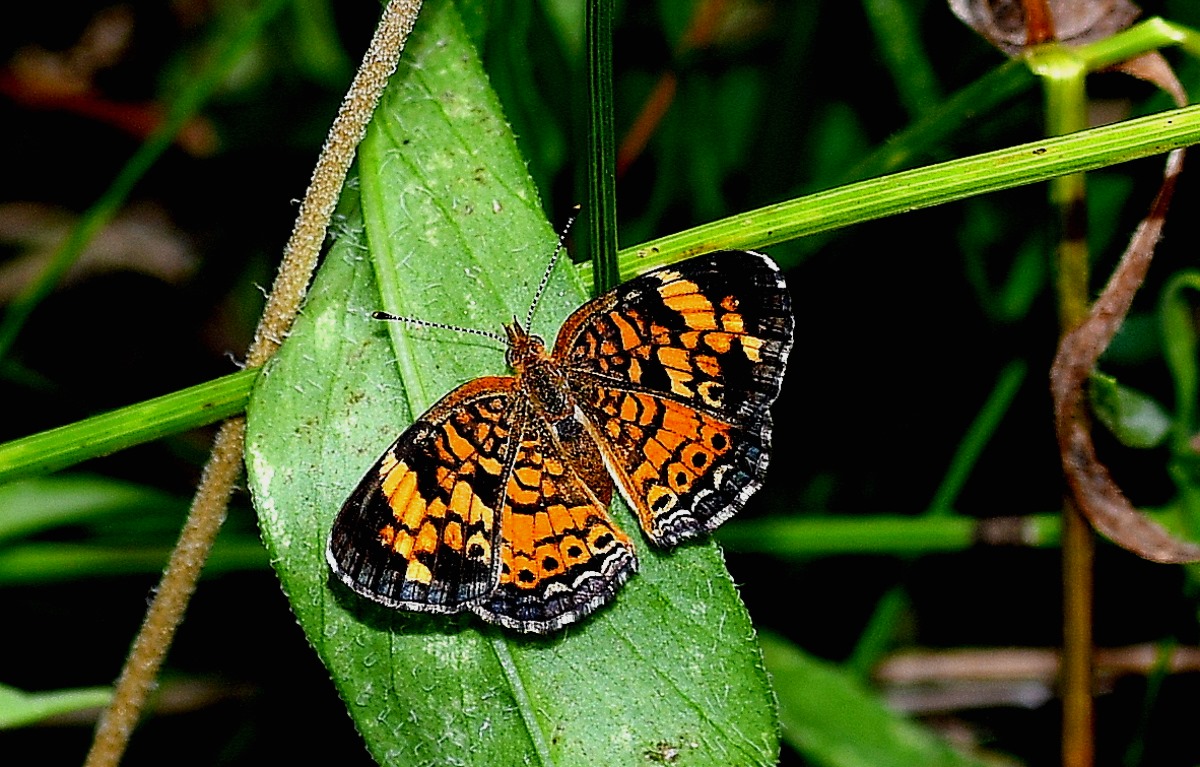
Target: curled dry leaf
{"points": [[1074, 22], [1154, 69], [1091, 485]]}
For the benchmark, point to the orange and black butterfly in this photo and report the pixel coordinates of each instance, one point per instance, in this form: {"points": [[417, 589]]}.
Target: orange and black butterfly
{"points": [[496, 500]]}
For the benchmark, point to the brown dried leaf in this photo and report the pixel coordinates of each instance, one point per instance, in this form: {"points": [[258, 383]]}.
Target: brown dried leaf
{"points": [[1154, 69], [1091, 485], [1094, 491], [1074, 22]]}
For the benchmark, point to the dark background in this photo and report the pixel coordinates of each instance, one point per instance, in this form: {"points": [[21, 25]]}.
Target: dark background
{"points": [[896, 345]]}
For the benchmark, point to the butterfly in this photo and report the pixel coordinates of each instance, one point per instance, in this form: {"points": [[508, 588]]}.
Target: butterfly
{"points": [[495, 501]]}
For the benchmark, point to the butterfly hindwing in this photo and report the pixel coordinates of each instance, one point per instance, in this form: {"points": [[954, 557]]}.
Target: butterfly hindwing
{"points": [[682, 471], [421, 531], [561, 556], [676, 370]]}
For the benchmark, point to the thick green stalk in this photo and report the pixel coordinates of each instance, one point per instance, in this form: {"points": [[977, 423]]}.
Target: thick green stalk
{"points": [[602, 151]]}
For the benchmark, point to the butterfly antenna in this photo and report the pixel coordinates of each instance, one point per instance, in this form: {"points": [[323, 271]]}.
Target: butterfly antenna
{"points": [[562, 241], [439, 326]]}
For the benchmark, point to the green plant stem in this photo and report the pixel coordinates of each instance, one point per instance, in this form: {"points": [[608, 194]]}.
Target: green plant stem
{"points": [[1062, 75], [109, 432], [893, 23], [1149, 35], [888, 195], [977, 437], [988, 92], [602, 152], [1006, 81], [38, 563], [45, 503], [804, 538], [926, 187], [21, 709]]}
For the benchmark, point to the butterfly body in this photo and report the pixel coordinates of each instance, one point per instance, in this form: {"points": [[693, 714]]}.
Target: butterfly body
{"points": [[496, 500]]}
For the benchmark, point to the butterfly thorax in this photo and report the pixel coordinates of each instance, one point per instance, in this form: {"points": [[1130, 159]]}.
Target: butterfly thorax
{"points": [[538, 375]]}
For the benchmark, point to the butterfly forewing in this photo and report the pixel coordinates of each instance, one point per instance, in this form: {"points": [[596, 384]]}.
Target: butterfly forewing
{"points": [[677, 369], [421, 530]]}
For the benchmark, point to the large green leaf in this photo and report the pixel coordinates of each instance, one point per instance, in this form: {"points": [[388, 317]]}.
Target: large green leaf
{"points": [[443, 223]]}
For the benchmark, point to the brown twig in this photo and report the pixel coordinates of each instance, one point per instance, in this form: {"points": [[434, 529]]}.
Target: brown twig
{"points": [[954, 680], [224, 466], [1016, 663], [1077, 671], [1039, 22]]}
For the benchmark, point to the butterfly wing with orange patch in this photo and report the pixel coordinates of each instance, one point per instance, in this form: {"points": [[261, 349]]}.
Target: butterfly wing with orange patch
{"points": [[561, 556], [421, 531], [676, 371]]}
